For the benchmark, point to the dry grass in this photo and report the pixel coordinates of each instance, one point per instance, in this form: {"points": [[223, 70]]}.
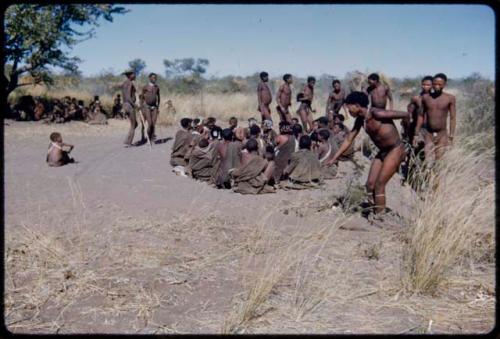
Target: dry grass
{"points": [[452, 210]]}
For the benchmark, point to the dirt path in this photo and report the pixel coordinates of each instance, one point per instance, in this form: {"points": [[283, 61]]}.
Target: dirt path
{"points": [[151, 252]]}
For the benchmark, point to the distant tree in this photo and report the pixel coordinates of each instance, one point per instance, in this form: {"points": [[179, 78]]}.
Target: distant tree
{"points": [[185, 67], [38, 36], [137, 65]]}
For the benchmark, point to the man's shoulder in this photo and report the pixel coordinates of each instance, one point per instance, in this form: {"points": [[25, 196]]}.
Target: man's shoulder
{"points": [[449, 95]]}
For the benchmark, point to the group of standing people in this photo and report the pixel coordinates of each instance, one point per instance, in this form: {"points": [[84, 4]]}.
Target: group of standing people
{"points": [[147, 106]]}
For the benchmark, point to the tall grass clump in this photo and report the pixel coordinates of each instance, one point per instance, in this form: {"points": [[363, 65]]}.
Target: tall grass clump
{"points": [[452, 211]]}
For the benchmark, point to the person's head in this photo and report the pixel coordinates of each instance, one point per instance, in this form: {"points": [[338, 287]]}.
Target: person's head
{"points": [[210, 122], [254, 131], [297, 130], [311, 81], [130, 75], [323, 135], [338, 118], [264, 76], [55, 137], [80, 102], [373, 79], [96, 98], [227, 134], [186, 123], [315, 124], [439, 82], [288, 78], [152, 77], [336, 84], [314, 136], [203, 143], [239, 133], [73, 100], [305, 142], [196, 122], [118, 96], [337, 127], [252, 145], [285, 128], [322, 122], [267, 125], [233, 122], [251, 122], [355, 102], [215, 133], [295, 121], [426, 84]]}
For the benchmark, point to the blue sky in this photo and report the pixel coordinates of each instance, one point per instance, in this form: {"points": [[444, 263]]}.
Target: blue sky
{"points": [[398, 40]]}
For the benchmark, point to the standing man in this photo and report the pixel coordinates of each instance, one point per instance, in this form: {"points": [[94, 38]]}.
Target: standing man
{"points": [[284, 99], [128, 94], [305, 111], [379, 93], [151, 94], [264, 97], [435, 108], [335, 101]]}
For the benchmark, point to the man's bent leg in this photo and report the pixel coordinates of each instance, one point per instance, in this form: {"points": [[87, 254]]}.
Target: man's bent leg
{"points": [[389, 167]]}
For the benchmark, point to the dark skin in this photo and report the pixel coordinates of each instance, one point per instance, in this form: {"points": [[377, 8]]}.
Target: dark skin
{"points": [[415, 109], [435, 109], [307, 120], [380, 127], [379, 94], [335, 101]]}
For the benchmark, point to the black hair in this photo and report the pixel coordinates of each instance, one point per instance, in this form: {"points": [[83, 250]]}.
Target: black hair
{"points": [[336, 81], [285, 127], [186, 122], [309, 79], [232, 118], [203, 143], [251, 145], [151, 74], [305, 142], [287, 76], [300, 97], [314, 136], [296, 120], [215, 133], [269, 149], [324, 134], [427, 78], [80, 102], [356, 97], [341, 125], [297, 129], [442, 76], [263, 75], [340, 116], [211, 120], [196, 121], [227, 134], [96, 97], [374, 77], [254, 130], [323, 121], [54, 136]]}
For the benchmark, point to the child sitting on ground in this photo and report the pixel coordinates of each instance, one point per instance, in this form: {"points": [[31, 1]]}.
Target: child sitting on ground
{"points": [[56, 155]]}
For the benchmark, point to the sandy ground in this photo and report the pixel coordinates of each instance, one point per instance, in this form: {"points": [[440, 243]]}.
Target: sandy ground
{"points": [[117, 243]]}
